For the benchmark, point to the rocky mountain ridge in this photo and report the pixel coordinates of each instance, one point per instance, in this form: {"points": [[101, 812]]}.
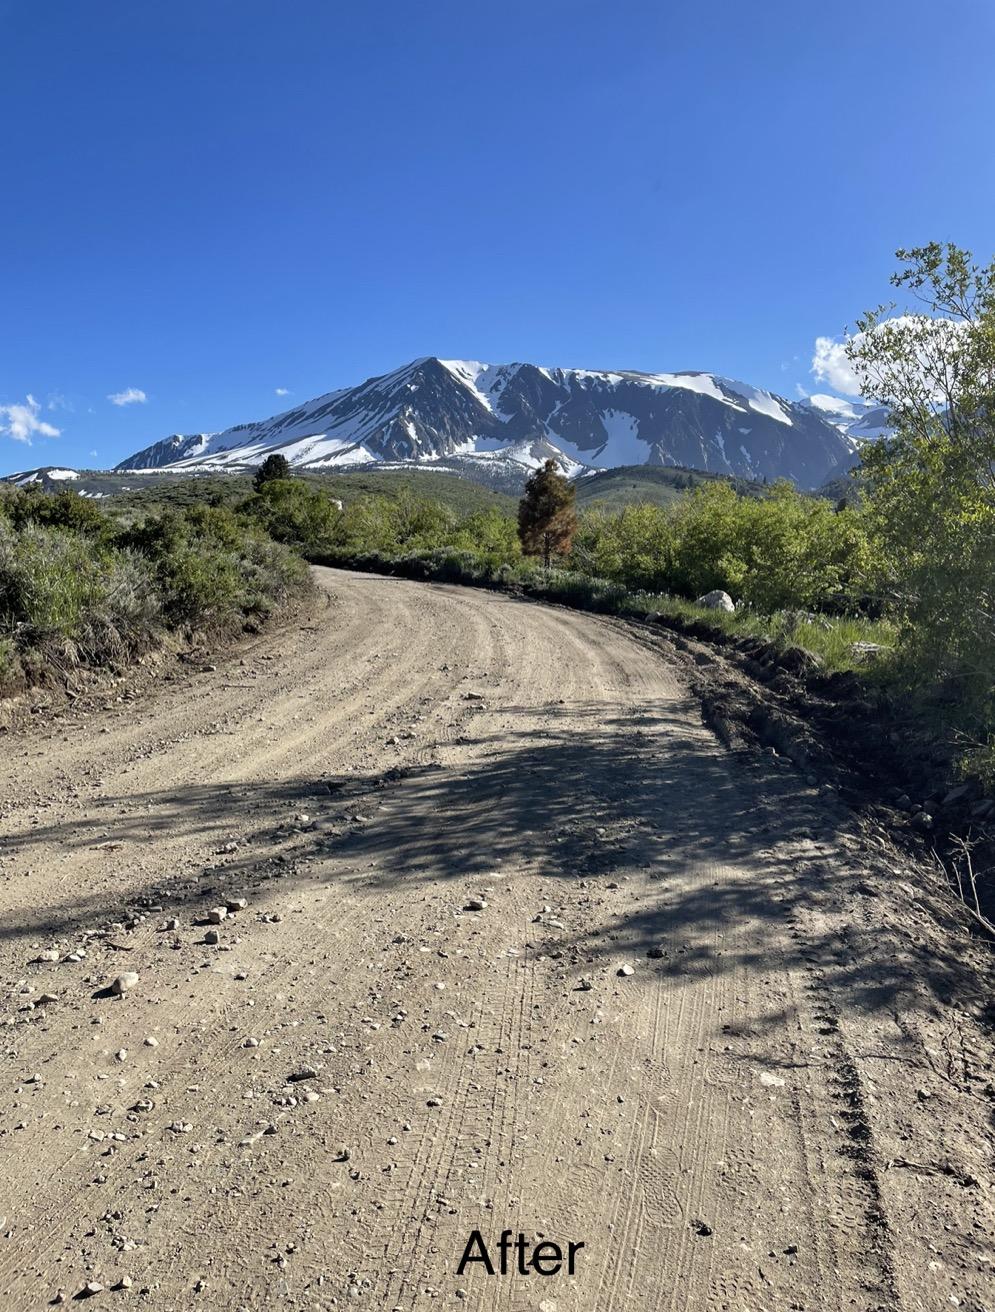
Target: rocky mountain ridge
{"points": [[472, 418]]}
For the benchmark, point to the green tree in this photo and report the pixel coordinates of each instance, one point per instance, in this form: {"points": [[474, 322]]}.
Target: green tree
{"points": [[930, 484], [274, 467], [547, 515], [295, 512]]}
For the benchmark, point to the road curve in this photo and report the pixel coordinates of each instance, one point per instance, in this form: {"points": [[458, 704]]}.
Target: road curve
{"points": [[776, 1109]]}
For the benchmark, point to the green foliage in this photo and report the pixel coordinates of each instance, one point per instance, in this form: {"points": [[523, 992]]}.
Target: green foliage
{"points": [[547, 516], [295, 512], [613, 489], [129, 498], [460, 496], [930, 486], [406, 524], [75, 588], [635, 546], [781, 549], [274, 467], [491, 535], [65, 509], [210, 564], [49, 580]]}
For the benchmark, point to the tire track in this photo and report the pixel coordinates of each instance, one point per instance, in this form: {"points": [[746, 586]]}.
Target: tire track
{"points": [[702, 1126]]}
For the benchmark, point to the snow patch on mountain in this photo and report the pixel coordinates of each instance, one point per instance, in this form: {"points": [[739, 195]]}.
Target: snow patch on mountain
{"points": [[485, 381], [432, 409], [703, 384], [857, 419], [28, 476], [764, 403]]}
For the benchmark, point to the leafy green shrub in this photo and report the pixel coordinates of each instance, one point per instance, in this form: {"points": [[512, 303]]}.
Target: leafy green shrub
{"points": [[50, 581], [782, 549], [75, 588], [212, 565], [65, 509], [295, 512]]}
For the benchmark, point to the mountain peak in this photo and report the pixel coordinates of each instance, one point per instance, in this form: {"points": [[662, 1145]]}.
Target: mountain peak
{"points": [[433, 408]]}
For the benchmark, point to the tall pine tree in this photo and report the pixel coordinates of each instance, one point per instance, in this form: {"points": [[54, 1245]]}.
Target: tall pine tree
{"points": [[547, 516]]}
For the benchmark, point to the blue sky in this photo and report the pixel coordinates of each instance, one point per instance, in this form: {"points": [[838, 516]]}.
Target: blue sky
{"points": [[209, 200]]}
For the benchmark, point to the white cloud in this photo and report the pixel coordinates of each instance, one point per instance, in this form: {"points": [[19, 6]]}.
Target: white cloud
{"points": [[920, 337], [94, 454], [21, 422], [130, 396], [830, 365], [282, 391]]}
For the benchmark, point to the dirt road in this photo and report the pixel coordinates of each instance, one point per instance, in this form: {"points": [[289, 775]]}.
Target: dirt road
{"points": [[785, 1105]]}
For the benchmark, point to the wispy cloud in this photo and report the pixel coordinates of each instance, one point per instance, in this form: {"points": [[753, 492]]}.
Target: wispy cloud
{"points": [[130, 396], [282, 391], [21, 422]]}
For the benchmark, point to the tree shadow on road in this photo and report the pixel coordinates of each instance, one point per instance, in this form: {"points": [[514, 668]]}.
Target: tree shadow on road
{"points": [[581, 801]]}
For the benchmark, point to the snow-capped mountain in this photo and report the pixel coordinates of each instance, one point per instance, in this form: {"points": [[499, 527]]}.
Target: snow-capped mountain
{"points": [[466, 416], [57, 478], [49, 476], [859, 420]]}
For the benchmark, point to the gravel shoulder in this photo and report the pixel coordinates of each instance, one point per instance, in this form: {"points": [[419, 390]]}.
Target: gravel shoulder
{"points": [[525, 946]]}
